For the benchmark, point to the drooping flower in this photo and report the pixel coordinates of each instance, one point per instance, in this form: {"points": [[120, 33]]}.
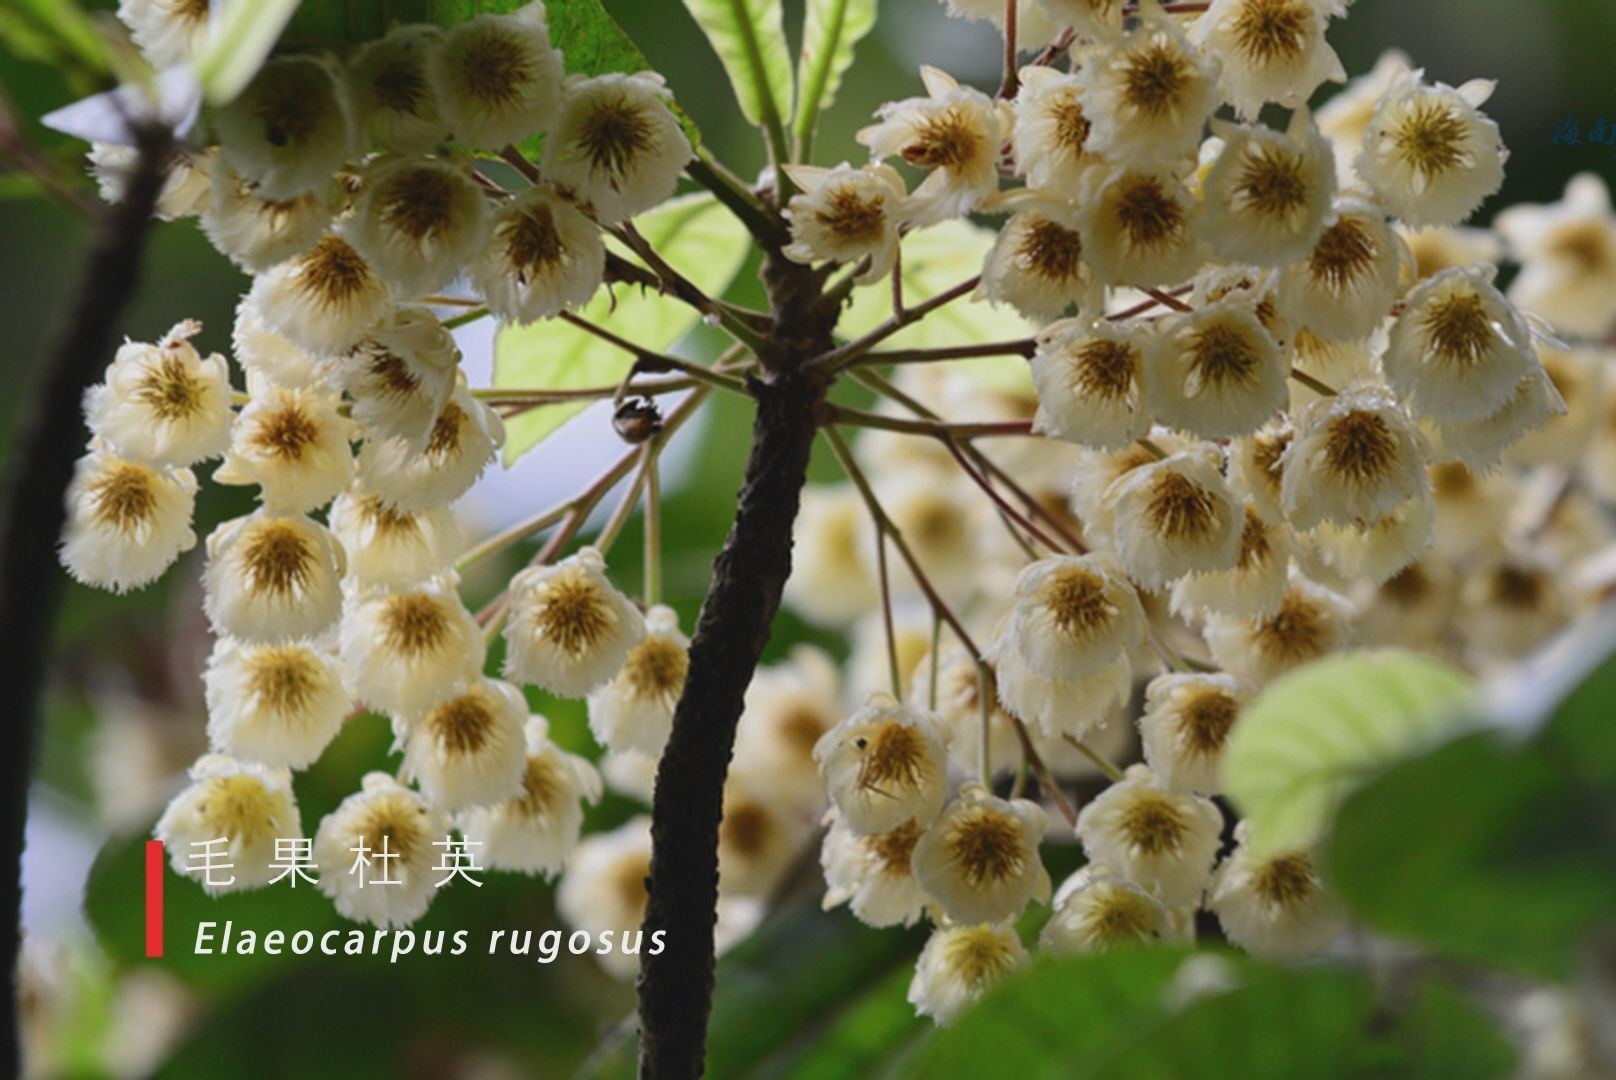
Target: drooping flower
{"points": [[382, 833], [1273, 906], [789, 706], [829, 582], [1344, 289], [759, 839], [1479, 442], [883, 766], [570, 628], [417, 221], [229, 818], [294, 445], [1095, 910], [604, 889], [272, 577], [872, 874], [955, 133], [1074, 616], [634, 711], [1268, 194], [1345, 117], [410, 650], [1162, 840], [275, 704], [290, 130], [1176, 517], [256, 233], [186, 186], [163, 403], [463, 439], [846, 215], [322, 300], [467, 749], [1185, 726], [1036, 264], [400, 375], [543, 256], [390, 548], [1051, 131], [1097, 20], [1429, 155], [1375, 550], [1271, 50], [1140, 226], [169, 32], [616, 147], [1567, 252], [1256, 582], [1310, 622], [496, 78], [979, 860], [1058, 707], [1356, 458], [393, 100], [959, 964], [1091, 383], [1217, 372], [1149, 95], [270, 359]]}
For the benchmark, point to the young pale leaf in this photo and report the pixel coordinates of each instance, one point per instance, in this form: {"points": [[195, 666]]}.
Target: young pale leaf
{"points": [[830, 30], [1315, 734], [750, 39], [239, 41], [935, 260], [698, 237]]}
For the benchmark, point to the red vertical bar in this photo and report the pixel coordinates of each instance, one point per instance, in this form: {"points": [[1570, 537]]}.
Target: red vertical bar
{"points": [[154, 898]]}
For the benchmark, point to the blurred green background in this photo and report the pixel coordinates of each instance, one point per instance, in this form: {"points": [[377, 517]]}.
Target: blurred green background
{"points": [[125, 712]]}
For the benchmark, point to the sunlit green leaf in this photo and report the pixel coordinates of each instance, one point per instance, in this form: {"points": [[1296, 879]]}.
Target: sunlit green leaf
{"points": [[696, 236], [1317, 732], [750, 39], [830, 30], [935, 260]]}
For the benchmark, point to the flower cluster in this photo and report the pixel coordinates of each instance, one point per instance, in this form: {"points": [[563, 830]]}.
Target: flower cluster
{"points": [[1288, 410]]}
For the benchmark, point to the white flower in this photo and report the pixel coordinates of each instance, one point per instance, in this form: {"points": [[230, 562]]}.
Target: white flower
{"points": [[270, 359], [383, 832], [1036, 264], [1356, 457], [1272, 50], [617, 147], [1256, 582], [401, 375], [604, 889], [468, 749], [1459, 350], [169, 32], [290, 130], [256, 233], [1578, 376], [1345, 117], [1268, 194], [186, 186], [410, 650], [496, 78], [845, 215], [1074, 616], [1185, 726], [959, 712], [417, 221], [1095, 910], [163, 403], [871, 874], [1257, 469], [393, 100], [1273, 906], [1411, 609], [276, 704], [1345, 287], [829, 583], [294, 445], [634, 711], [869, 665], [937, 518], [1436, 250], [390, 548], [759, 839], [570, 628], [323, 300], [542, 256], [1091, 387], [979, 860], [1567, 252], [1095, 477], [1429, 155], [788, 707], [1051, 130], [272, 578], [1511, 603], [1176, 517], [1140, 226], [883, 766], [1310, 622], [462, 441], [1480, 441], [1058, 706], [1148, 96], [1333, 363], [1162, 840], [955, 132], [126, 522], [535, 831], [242, 803], [959, 964], [1377, 549], [1217, 372]]}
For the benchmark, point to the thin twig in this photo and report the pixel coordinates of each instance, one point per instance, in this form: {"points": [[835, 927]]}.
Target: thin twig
{"points": [[839, 358]]}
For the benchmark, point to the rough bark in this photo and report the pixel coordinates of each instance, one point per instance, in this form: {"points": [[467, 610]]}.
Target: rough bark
{"points": [[50, 437], [676, 986]]}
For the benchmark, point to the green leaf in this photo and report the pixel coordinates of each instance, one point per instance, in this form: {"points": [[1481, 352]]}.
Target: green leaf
{"points": [[1484, 849], [1446, 1036], [695, 235], [58, 33], [1314, 734], [238, 44], [830, 30], [750, 39], [935, 260]]}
